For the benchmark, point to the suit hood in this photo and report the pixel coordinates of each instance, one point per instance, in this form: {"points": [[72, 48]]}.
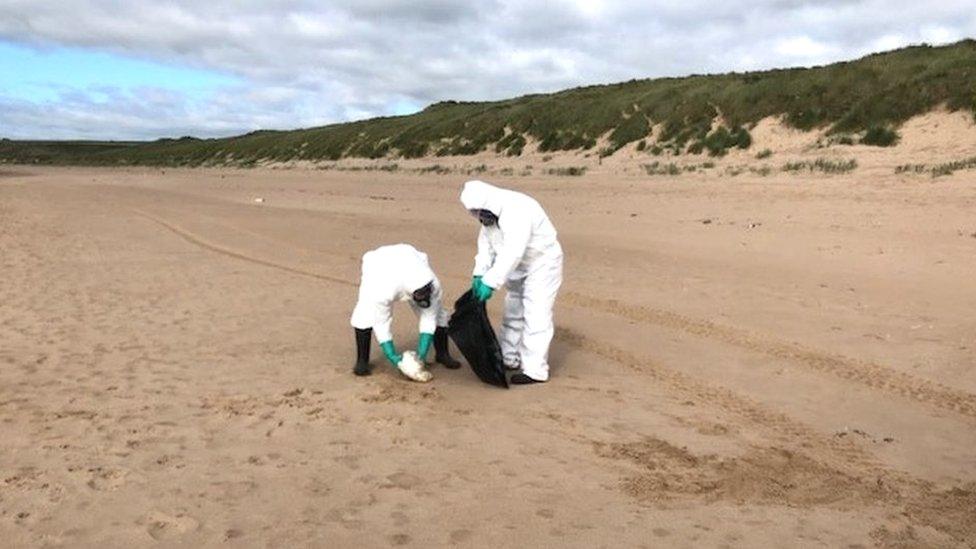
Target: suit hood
{"points": [[415, 275], [478, 195]]}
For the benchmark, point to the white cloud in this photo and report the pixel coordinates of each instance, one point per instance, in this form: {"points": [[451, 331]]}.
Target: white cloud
{"points": [[305, 62], [939, 34], [888, 42], [804, 49]]}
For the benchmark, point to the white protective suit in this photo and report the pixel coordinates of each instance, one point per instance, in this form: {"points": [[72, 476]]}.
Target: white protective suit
{"points": [[522, 253], [391, 274]]}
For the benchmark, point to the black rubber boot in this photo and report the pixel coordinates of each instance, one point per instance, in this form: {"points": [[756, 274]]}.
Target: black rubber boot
{"points": [[522, 379], [362, 351], [441, 353]]}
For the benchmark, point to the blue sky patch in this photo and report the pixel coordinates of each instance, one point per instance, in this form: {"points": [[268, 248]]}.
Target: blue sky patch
{"points": [[44, 74]]}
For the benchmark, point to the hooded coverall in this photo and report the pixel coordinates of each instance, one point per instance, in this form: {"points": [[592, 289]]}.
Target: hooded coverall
{"points": [[391, 274], [522, 253]]}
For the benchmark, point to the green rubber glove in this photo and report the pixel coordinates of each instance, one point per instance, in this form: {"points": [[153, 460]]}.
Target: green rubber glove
{"points": [[390, 351], [482, 291], [423, 345]]}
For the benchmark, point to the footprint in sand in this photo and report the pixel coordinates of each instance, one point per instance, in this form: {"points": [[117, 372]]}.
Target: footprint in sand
{"points": [[546, 513], [161, 525], [349, 461], [232, 490], [399, 539], [106, 481], [403, 481], [399, 518]]}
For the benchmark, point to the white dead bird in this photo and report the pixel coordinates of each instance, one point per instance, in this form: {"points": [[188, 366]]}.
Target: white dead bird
{"points": [[413, 368]]}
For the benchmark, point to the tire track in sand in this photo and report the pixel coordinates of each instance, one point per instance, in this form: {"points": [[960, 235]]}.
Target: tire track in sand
{"points": [[201, 242], [796, 465], [920, 501], [869, 374], [779, 428], [866, 373], [788, 431]]}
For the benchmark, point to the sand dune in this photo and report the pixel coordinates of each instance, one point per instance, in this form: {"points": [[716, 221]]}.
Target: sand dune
{"points": [[758, 361]]}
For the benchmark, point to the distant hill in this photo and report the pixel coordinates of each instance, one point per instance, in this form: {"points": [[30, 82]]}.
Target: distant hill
{"points": [[867, 98]]}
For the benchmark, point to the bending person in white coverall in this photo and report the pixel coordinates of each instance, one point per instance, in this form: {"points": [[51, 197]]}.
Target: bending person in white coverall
{"points": [[399, 273], [517, 248]]}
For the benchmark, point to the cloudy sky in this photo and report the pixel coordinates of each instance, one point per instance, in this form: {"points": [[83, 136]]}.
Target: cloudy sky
{"points": [[142, 69]]}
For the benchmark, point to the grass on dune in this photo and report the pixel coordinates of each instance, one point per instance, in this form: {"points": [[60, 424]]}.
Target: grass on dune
{"points": [[872, 95], [938, 170], [823, 165]]}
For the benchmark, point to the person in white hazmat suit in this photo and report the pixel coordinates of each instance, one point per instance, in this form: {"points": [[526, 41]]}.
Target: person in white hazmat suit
{"points": [[390, 274], [517, 248]]}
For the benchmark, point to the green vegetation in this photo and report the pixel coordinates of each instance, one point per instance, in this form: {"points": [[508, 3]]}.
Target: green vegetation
{"points": [[939, 170], [822, 165], [912, 168], [59, 152], [880, 136], [657, 168], [765, 153], [836, 139], [436, 168], [874, 94], [567, 171], [721, 140], [512, 144], [373, 168]]}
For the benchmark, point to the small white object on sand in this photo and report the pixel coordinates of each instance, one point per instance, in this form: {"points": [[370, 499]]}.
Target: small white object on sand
{"points": [[259, 200], [413, 368]]}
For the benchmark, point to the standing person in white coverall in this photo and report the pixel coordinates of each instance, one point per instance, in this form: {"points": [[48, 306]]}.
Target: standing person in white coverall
{"points": [[399, 273], [517, 248]]}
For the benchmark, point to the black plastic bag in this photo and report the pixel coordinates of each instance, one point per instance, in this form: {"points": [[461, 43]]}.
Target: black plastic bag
{"points": [[472, 333]]}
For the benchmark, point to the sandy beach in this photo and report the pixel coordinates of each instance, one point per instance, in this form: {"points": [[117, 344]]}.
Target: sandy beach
{"points": [[764, 361]]}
